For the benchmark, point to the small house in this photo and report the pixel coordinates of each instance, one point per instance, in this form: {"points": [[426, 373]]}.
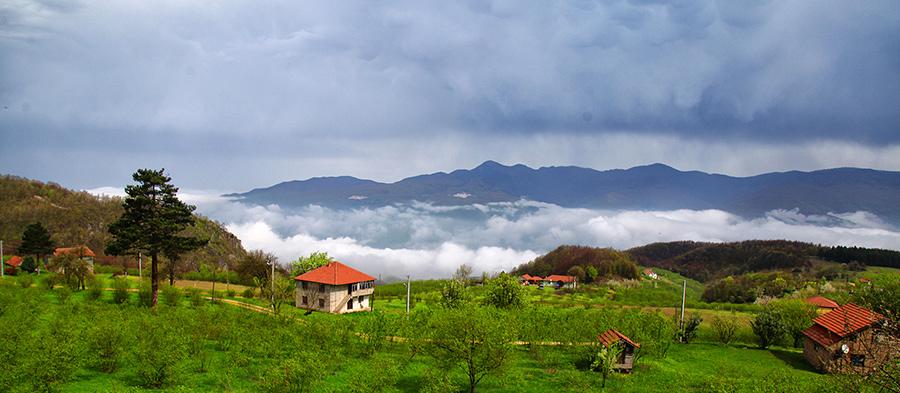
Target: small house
{"points": [[558, 281], [527, 279], [848, 339], [822, 303], [14, 263], [650, 274], [82, 252], [626, 358], [335, 288]]}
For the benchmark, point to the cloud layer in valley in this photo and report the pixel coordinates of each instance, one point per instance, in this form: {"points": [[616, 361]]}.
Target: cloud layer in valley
{"points": [[431, 241]]}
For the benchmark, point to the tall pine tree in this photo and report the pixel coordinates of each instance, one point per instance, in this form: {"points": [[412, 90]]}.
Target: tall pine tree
{"points": [[36, 241], [152, 222]]}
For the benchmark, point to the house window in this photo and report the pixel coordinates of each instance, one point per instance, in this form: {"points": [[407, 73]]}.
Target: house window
{"points": [[322, 287], [305, 300], [321, 303], [858, 360], [304, 284], [350, 304], [361, 300], [350, 289]]}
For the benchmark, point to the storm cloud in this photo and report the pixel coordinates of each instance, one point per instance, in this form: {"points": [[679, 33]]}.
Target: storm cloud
{"points": [[289, 90]]}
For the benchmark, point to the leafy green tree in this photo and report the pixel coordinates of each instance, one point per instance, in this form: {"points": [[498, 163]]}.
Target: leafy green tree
{"points": [[120, 290], [477, 340], [310, 262], [279, 294], [255, 265], [578, 272], [72, 269], [454, 295], [768, 327], [160, 351], [152, 221], [53, 357], [796, 316], [174, 249], [505, 292], [29, 265], [36, 241], [605, 360], [689, 330], [300, 373], [590, 274], [725, 327], [463, 273]]}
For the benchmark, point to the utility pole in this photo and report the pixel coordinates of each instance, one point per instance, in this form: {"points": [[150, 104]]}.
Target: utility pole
{"points": [[407, 295], [2, 261], [141, 266], [683, 293]]}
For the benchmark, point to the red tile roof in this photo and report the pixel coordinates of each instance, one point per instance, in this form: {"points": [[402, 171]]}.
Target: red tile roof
{"points": [[335, 273], [527, 277], [15, 261], [79, 251], [648, 271], [613, 336], [823, 302], [841, 322], [556, 277]]}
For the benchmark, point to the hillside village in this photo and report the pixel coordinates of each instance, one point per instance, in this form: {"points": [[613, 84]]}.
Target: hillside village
{"points": [[823, 324]]}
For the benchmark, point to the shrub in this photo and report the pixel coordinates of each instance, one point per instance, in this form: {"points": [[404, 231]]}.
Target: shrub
{"points": [[53, 357], [159, 352], [300, 373], [49, 281], [105, 343], [689, 331], [249, 293], [231, 293], [195, 296], [145, 295], [25, 280], [505, 292], [381, 375], [725, 328], [768, 327], [94, 288], [171, 295], [120, 290]]}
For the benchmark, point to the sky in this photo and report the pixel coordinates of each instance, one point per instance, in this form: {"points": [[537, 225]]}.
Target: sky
{"points": [[234, 95]]}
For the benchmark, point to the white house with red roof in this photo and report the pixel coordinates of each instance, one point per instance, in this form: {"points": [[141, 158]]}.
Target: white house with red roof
{"points": [[558, 281], [335, 288], [82, 252], [849, 339]]}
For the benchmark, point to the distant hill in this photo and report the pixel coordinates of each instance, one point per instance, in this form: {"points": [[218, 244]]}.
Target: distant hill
{"points": [[609, 263], [656, 187], [75, 218], [708, 261]]}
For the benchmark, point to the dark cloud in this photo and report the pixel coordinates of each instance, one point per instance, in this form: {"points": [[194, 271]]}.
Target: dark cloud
{"points": [[291, 80]]}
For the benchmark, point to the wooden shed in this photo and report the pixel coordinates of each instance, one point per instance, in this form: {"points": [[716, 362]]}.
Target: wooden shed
{"points": [[626, 358]]}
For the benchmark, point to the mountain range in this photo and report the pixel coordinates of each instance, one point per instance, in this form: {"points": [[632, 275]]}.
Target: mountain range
{"points": [[650, 187]]}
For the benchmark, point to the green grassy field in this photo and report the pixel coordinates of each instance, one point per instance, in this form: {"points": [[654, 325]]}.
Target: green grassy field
{"points": [[226, 348]]}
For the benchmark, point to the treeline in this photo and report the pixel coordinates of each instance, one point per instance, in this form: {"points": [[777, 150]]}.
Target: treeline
{"points": [[866, 256], [77, 217], [588, 262]]}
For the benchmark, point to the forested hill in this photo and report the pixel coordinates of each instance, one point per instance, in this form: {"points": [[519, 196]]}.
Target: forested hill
{"points": [[583, 262], [706, 261], [74, 218]]}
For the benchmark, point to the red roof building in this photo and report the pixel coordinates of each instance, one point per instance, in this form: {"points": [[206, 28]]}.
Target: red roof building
{"points": [[822, 302], [79, 251], [560, 281], [626, 358], [335, 288], [14, 261], [529, 279], [846, 337]]}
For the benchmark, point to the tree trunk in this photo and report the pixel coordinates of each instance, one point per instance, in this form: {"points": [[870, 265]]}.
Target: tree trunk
{"points": [[154, 278], [171, 272], [472, 383]]}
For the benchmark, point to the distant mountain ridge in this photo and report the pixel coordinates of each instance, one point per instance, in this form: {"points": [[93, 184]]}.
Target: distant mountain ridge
{"points": [[650, 187]]}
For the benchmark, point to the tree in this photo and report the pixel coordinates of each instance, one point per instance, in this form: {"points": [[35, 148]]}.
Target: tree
{"points": [[278, 294], [590, 274], [477, 340], [255, 265], [462, 273], [725, 328], [578, 272], [73, 270], [311, 262], [796, 316], [152, 220], [768, 327], [174, 249], [605, 360], [36, 241], [505, 292], [689, 330], [454, 295]]}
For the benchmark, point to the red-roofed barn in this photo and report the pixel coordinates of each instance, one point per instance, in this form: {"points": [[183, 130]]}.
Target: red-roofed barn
{"points": [[335, 288], [13, 262], [848, 338]]}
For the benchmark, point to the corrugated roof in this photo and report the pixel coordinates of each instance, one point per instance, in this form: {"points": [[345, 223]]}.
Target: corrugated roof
{"points": [[821, 301], [613, 336], [80, 251], [335, 273], [840, 322]]}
